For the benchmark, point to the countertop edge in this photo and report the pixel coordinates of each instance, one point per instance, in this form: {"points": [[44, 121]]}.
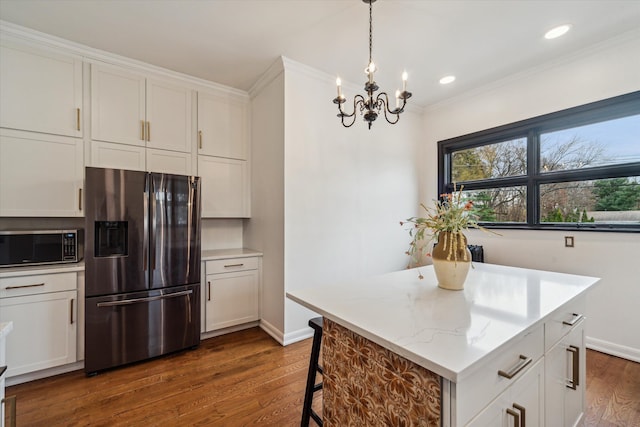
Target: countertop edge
{"points": [[216, 254]]}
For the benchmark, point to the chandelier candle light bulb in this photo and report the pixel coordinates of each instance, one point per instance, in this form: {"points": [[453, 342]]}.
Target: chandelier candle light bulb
{"points": [[339, 84], [405, 76]]}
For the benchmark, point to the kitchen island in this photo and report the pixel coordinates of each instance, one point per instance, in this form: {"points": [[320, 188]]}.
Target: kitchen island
{"points": [[399, 350]]}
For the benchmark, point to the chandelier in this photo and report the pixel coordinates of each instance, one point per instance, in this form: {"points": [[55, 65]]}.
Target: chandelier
{"points": [[371, 106]]}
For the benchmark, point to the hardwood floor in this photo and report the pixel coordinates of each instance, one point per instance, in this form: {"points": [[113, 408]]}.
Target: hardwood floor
{"points": [[246, 378]]}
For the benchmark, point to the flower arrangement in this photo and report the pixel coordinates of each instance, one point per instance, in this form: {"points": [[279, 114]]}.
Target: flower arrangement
{"points": [[452, 214]]}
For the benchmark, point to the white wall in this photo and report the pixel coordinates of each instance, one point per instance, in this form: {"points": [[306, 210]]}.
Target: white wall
{"points": [[265, 230], [346, 189], [343, 193], [608, 69]]}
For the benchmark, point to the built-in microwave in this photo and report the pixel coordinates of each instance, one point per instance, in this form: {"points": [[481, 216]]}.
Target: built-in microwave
{"points": [[36, 247]]}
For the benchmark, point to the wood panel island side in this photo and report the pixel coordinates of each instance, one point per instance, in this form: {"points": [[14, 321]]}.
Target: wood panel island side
{"points": [[507, 350]]}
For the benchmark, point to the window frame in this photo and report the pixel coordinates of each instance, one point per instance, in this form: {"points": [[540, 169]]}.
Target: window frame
{"points": [[531, 129]]}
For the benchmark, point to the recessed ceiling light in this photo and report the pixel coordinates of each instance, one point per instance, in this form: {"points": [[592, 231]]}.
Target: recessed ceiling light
{"points": [[557, 31], [447, 79]]}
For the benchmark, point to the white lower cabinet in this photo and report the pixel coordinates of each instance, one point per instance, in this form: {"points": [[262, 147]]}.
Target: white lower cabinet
{"points": [[565, 379], [44, 316], [519, 405], [232, 292]]}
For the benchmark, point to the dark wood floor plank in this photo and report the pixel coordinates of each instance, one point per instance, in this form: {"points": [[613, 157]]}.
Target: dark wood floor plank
{"points": [[247, 379]]}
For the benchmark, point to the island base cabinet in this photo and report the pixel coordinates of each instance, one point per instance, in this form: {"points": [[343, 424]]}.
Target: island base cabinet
{"points": [[522, 404], [565, 379], [44, 331]]}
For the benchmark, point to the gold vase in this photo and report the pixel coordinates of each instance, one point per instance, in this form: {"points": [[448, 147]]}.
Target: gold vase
{"points": [[451, 260]]}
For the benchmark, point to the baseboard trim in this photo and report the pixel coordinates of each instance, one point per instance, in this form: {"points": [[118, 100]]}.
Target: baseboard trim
{"points": [[44, 373], [275, 333], [299, 335], [618, 350], [230, 329]]}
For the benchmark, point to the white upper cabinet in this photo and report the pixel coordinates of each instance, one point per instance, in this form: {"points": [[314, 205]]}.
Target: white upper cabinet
{"points": [[223, 125], [225, 187], [41, 90], [129, 108], [117, 106], [40, 175], [168, 116]]}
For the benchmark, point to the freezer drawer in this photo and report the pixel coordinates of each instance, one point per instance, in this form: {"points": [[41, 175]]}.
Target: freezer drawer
{"points": [[127, 328]]}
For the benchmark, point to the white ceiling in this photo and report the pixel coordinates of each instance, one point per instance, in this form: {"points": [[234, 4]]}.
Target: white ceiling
{"points": [[234, 41]]}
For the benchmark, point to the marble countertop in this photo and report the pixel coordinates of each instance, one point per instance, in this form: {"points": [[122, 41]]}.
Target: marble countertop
{"points": [[210, 255], [41, 269], [447, 332]]}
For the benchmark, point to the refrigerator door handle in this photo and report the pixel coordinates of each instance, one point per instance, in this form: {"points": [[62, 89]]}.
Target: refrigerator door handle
{"points": [[140, 300]]}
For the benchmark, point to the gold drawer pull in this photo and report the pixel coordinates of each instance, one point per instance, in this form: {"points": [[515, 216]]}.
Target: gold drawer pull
{"points": [[574, 382], [576, 318], [233, 265], [10, 412], [524, 361], [24, 286], [78, 118], [149, 131], [142, 137], [200, 139]]}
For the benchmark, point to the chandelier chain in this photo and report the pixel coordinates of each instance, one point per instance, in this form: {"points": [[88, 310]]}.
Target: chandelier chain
{"points": [[370, 31]]}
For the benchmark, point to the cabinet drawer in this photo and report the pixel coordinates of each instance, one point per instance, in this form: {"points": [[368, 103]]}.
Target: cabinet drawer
{"points": [[475, 391], [561, 321], [232, 264], [37, 284]]}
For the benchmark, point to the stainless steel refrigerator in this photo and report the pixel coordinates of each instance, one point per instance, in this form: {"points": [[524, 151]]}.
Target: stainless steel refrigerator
{"points": [[142, 266]]}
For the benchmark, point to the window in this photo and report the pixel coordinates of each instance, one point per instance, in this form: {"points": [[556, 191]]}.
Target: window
{"points": [[577, 168]]}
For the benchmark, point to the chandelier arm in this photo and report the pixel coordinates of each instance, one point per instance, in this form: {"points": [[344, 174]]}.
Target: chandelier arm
{"points": [[357, 100], [382, 100]]}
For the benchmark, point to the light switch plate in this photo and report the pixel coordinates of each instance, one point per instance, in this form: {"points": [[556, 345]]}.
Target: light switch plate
{"points": [[568, 241]]}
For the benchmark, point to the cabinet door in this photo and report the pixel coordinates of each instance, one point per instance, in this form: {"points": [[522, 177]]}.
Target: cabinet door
{"points": [[231, 299], [40, 175], [44, 331], [41, 91], [574, 402], [523, 399], [168, 116], [117, 105], [166, 161], [223, 125], [117, 156], [224, 186]]}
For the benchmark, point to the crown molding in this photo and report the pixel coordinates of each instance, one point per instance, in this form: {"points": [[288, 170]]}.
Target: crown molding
{"points": [[579, 54], [273, 71], [10, 31]]}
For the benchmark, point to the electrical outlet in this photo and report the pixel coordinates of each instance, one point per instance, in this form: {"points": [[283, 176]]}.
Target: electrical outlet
{"points": [[568, 241]]}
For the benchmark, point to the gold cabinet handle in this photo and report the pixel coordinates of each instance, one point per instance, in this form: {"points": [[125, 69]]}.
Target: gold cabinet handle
{"points": [[524, 361], [10, 405], [233, 265], [200, 139], [71, 312], [149, 131], [523, 414], [209, 291], [574, 382], [516, 417], [576, 318], [78, 118], [142, 136], [80, 199], [24, 286]]}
